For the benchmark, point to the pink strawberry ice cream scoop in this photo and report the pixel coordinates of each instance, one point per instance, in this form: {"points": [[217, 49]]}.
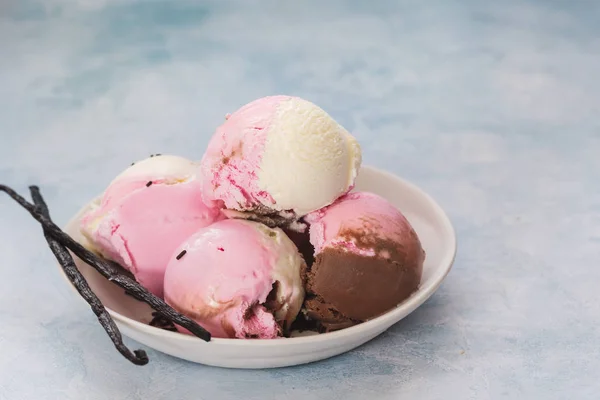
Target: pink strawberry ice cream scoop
{"points": [[145, 213], [368, 259], [238, 279], [277, 159]]}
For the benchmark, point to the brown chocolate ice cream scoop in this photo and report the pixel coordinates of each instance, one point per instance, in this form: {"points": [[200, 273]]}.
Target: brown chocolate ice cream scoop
{"points": [[368, 259]]}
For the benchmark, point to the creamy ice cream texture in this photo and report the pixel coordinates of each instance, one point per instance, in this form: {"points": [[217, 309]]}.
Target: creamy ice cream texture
{"points": [[275, 160], [368, 259], [146, 212], [279, 154], [238, 279]]}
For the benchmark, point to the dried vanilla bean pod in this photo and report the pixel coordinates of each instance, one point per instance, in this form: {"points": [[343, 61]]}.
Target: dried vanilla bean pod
{"points": [[138, 357], [107, 270]]}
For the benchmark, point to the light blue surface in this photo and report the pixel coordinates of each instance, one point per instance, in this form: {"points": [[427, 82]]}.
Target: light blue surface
{"points": [[491, 107]]}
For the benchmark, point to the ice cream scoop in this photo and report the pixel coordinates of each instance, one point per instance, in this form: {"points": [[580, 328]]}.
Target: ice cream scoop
{"points": [[238, 279], [158, 169], [368, 259], [146, 212], [279, 158]]}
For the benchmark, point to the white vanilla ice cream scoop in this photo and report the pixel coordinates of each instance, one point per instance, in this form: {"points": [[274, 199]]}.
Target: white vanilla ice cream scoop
{"points": [[281, 156]]}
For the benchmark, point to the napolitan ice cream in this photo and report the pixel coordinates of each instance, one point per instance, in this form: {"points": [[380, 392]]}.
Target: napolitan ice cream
{"points": [[277, 159], [223, 241], [146, 212], [368, 259], [237, 279]]}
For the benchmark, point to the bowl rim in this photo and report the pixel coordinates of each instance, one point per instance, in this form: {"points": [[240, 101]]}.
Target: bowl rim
{"points": [[392, 316]]}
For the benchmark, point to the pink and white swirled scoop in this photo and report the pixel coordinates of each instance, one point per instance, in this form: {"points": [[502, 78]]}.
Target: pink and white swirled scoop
{"points": [[279, 156], [238, 279], [146, 212]]}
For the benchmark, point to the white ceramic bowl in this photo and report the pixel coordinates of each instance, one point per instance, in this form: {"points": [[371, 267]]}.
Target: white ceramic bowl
{"points": [[426, 216]]}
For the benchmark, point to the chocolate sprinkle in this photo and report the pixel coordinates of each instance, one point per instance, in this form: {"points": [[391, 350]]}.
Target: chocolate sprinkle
{"points": [[149, 184], [138, 357], [181, 254], [106, 269]]}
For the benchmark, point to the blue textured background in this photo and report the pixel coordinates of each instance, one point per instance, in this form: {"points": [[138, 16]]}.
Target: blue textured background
{"points": [[492, 107]]}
